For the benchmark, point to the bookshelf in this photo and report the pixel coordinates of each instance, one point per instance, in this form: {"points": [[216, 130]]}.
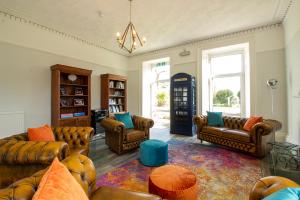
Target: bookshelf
{"points": [[71, 96], [113, 93]]}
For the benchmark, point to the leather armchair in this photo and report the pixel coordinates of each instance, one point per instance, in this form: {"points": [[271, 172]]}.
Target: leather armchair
{"points": [[20, 158], [268, 185], [121, 140], [83, 171], [232, 134]]}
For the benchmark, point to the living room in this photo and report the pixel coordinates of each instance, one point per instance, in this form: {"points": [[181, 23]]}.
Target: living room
{"points": [[164, 48]]}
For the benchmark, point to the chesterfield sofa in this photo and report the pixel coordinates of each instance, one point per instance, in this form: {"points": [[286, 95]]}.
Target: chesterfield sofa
{"points": [[83, 170], [119, 139], [233, 136], [21, 158]]}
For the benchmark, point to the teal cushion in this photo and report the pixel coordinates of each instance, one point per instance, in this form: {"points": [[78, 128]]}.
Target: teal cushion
{"points": [[126, 119], [215, 119], [285, 194]]}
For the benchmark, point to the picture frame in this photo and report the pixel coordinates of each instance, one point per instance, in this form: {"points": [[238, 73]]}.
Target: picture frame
{"points": [[63, 91], [78, 102], [78, 91], [64, 103]]}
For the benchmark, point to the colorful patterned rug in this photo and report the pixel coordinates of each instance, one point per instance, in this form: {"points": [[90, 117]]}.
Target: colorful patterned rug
{"points": [[221, 173]]}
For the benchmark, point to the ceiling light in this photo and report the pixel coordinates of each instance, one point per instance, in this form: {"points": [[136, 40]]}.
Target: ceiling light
{"points": [[130, 38]]}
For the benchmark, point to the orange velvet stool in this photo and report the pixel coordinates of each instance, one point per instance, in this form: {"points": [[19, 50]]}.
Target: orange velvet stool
{"points": [[173, 182]]}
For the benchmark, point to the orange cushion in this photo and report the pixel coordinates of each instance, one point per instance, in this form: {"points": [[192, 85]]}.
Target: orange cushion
{"points": [[173, 182], [58, 183], [43, 133], [251, 122]]}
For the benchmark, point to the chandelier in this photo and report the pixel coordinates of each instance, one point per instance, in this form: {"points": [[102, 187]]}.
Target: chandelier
{"points": [[130, 38]]}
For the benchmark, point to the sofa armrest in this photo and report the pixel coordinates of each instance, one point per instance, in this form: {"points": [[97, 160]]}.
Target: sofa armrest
{"points": [[112, 125], [23, 189], [111, 193], [75, 137], [261, 129], [142, 123], [268, 185], [200, 122], [31, 152]]}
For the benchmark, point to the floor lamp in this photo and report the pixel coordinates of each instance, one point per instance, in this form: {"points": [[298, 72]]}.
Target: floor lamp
{"points": [[272, 84]]}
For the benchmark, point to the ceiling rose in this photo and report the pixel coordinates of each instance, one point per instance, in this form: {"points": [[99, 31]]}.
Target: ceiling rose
{"points": [[130, 39]]}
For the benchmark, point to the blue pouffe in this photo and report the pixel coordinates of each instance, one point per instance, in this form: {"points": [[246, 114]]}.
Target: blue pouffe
{"points": [[153, 153]]}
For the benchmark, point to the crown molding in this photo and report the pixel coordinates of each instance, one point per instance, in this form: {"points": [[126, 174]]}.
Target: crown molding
{"points": [[53, 30], [291, 2], [196, 42]]}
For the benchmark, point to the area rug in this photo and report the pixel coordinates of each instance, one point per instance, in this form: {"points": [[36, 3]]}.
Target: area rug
{"points": [[221, 173]]}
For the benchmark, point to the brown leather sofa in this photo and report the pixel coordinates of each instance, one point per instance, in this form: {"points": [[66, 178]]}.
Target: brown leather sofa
{"points": [[119, 139], [21, 158], [233, 136], [268, 185], [83, 171]]}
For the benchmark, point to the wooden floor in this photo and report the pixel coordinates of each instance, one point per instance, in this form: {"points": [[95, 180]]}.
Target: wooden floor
{"points": [[105, 160]]}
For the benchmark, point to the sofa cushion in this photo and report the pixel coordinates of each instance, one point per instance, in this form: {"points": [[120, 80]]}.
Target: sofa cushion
{"points": [[215, 119], [237, 134], [134, 135], [58, 183], [42, 134], [251, 122], [126, 119], [214, 130]]}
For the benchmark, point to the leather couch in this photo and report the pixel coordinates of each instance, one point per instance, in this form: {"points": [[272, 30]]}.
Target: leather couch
{"points": [[233, 136], [83, 170], [21, 158], [268, 185], [119, 139]]}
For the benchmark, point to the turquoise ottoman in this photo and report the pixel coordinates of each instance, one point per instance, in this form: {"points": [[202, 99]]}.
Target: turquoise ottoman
{"points": [[153, 153]]}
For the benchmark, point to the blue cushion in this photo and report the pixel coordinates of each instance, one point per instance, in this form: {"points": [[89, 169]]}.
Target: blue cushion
{"points": [[285, 194], [153, 153], [126, 119], [215, 119]]}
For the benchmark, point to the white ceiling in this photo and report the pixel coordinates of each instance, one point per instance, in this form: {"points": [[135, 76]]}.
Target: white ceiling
{"points": [[165, 23]]}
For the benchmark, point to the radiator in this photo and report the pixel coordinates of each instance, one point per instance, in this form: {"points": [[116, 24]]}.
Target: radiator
{"points": [[11, 123]]}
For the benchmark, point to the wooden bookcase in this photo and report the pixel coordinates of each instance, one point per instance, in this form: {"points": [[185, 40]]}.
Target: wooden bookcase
{"points": [[113, 93], [71, 100]]}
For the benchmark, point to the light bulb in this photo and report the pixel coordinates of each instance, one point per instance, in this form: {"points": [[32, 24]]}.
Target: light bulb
{"points": [[118, 34], [133, 32], [134, 43]]}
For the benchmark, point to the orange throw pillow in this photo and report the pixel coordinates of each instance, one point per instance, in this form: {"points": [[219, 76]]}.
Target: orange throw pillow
{"points": [[251, 122], [58, 184], [43, 134]]}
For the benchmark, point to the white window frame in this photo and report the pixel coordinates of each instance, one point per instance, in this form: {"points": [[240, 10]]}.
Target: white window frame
{"points": [[240, 74]]}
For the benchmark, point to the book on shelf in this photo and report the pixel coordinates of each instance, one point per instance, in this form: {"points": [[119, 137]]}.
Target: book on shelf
{"points": [[66, 115], [79, 114]]}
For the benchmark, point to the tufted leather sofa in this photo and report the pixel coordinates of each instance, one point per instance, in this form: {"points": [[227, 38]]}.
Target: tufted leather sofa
{"points": [[120, 139], [83, 170], [233, 136], [21, 158], [268, 185]]}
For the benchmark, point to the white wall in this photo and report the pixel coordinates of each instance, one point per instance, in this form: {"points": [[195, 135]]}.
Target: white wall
{"points": [[25, 81], [26, 53], [267, 61], [292, 45]]}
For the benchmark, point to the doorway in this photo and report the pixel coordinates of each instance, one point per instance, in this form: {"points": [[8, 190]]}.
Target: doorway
{"points": [[156, 101]]}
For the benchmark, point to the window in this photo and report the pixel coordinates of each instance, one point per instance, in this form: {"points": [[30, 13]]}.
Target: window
{"points": [[227, 82]]}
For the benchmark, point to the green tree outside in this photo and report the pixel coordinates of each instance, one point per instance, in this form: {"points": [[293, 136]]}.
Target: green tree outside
{"points": [[223, 97]]}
